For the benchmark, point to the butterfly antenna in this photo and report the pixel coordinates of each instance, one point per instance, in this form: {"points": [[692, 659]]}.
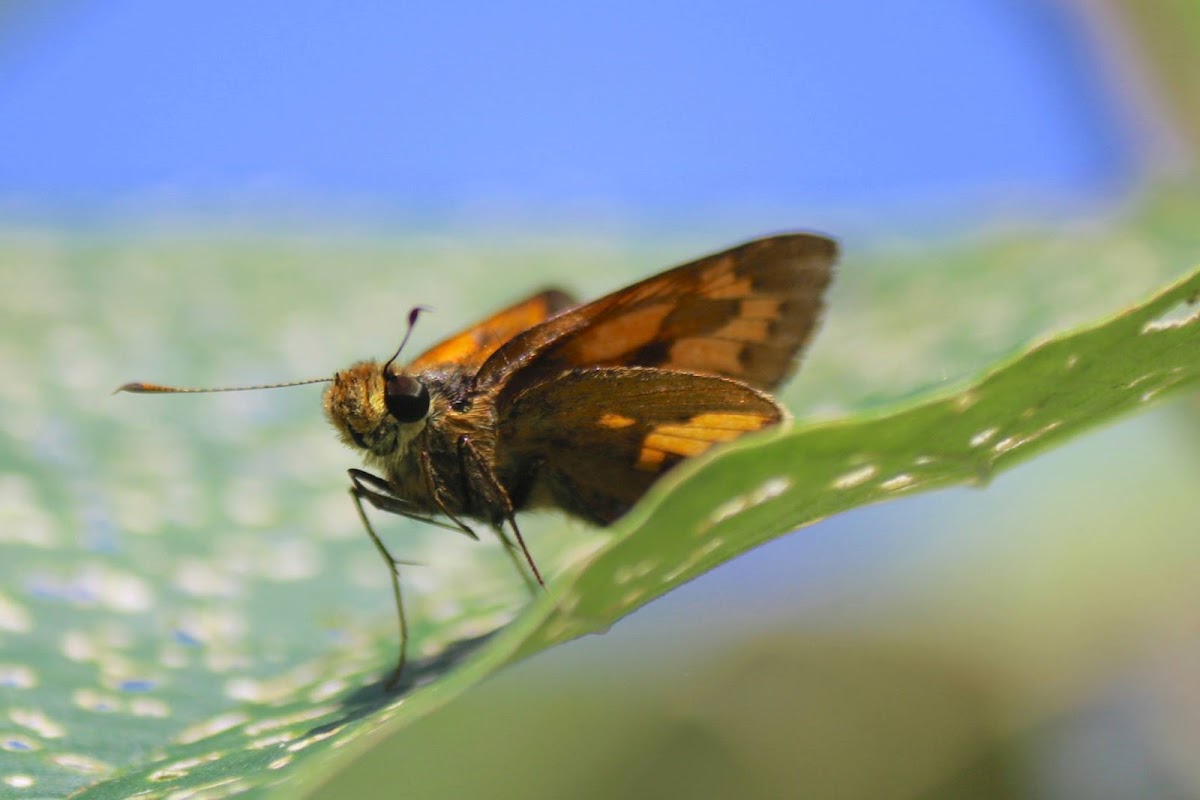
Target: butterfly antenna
{"points": [[413, 313], [138, 387]]}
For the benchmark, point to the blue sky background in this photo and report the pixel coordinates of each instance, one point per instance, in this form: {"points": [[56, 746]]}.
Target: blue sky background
{"points": [[545, 110]]}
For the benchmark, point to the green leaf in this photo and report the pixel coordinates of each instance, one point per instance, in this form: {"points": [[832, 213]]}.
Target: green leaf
{"points": [[181, 615]]}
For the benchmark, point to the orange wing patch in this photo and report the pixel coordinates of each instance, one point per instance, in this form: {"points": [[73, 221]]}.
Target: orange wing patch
{"points": [[722, 282], [744, 329], [719, 356], [767, 308], [471, 348], [608, 341]]}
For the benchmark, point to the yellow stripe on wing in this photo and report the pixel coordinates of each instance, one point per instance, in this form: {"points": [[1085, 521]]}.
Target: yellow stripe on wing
{"points": [[696, 436]]}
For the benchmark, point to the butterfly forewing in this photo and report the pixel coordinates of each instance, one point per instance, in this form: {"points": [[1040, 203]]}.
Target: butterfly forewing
{"points": [[594, 440], [744, 314], [468, 350]]}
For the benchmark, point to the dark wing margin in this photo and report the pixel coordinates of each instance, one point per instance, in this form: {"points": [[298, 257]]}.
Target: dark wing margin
{"points": [[594, 440]]}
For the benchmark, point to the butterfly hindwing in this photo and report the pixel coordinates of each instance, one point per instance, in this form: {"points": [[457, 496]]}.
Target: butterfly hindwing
{"points": [[744, 313], [593, 440]]}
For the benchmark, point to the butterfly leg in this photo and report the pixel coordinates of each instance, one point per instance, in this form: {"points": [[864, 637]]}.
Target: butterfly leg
{"points": [[497, 497], [514, 555], [358, 493], [381, 498], [431, 486]]}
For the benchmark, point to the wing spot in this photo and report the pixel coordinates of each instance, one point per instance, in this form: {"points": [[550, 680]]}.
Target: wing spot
{"points": [[616, 421]]}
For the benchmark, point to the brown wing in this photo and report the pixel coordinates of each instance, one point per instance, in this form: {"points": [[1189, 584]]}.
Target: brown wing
{"points": [[744, 313], [592, 441], [471, 348]]}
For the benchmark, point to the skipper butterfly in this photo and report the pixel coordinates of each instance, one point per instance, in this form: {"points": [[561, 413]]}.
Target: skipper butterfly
{"points": [[548, 404]]}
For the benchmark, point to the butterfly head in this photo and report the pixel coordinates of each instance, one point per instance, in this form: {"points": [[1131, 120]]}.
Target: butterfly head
{"points": [[376, 408]]}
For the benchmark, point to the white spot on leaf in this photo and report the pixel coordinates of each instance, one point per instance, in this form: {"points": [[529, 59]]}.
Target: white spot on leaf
{"points": [[211, 727], [93, 700], [38, 722], [16, 743], [855, 477], [632, 572], [1179, 315], [86, 765], [770, 488], [901, 481], [983, 436], [965, 401], [17, 676], [13, 617], [274, 723], [692, 561], [22, 520], [149, 707], [204, 579]]}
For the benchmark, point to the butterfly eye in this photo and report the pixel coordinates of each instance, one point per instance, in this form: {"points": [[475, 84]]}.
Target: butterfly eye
{"points": [[406, 398]]}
